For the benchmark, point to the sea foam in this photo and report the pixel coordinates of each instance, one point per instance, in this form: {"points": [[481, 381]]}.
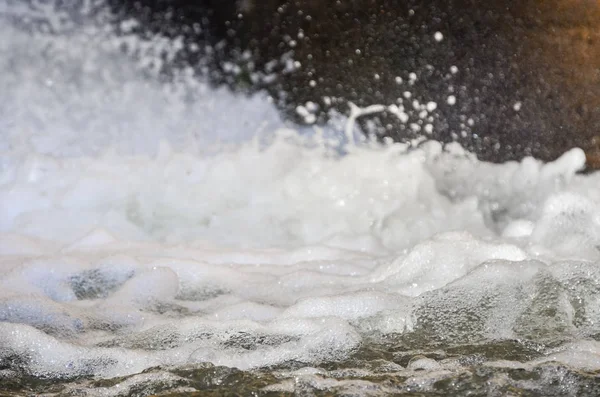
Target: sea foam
{"points": [[147, 223]]}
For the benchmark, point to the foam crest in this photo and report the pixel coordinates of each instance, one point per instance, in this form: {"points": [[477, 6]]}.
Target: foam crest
{"points": [[445, 258], [350, 307], [570, 224]]}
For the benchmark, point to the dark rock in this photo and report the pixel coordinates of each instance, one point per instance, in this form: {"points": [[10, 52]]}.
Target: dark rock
{"points": [[528, 79]]}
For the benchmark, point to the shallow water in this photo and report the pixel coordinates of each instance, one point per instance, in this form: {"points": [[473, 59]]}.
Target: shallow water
{"points": [[165, 236]]}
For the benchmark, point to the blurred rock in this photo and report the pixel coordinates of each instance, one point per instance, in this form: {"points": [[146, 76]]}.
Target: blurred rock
{"points": [[509, 78]]}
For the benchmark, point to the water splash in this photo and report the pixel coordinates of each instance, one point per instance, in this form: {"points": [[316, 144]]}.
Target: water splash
{"points": [[133, 237]]}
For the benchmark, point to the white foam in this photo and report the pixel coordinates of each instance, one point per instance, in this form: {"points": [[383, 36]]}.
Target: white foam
{"points": [[130, 239], [351, 306], [582, 354]]}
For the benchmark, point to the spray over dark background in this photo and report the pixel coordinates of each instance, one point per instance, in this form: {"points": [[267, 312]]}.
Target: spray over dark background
{"points": [[528, 80]]}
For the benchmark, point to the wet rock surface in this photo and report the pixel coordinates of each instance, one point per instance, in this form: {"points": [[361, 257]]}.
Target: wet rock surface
{"points": [[399, 374], [509, 79]]}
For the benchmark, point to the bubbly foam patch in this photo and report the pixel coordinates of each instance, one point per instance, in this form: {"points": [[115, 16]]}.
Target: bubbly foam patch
{"points": [[130, 240]]}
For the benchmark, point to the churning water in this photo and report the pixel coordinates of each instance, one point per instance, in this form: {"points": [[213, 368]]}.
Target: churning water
{"points": [[162, 235]]}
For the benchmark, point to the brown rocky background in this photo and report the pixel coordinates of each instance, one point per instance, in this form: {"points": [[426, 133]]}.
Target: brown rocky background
{"points": [[528, 80]]}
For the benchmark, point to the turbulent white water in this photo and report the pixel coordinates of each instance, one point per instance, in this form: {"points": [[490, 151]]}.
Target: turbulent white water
{"points": [[146, 223]]}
